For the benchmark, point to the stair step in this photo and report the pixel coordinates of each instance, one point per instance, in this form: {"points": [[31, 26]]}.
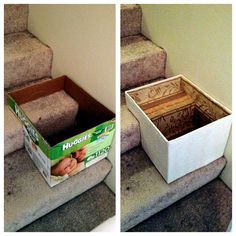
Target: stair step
{"points": [[28, 197], [131, 19], [209, 209], [15, 18], [144, 192], [141, 61], [26, 59], [79, 214], [130, 130], [49, 114], [13, 131], [52, 113]]}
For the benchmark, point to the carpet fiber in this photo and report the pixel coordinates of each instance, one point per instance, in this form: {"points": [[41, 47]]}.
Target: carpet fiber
{"points": [[205, 210], [82, 214]]}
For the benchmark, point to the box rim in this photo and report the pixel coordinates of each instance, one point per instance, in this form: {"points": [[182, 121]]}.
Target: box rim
{"points": [[64, 78], [192, 84], [188, 81]]}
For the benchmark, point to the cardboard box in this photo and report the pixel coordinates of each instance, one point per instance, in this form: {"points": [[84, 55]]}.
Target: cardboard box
{"points": [[182, 127], [77, 147]]}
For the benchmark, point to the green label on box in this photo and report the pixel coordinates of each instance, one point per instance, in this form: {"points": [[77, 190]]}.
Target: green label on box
{"points": [[102, 134]]}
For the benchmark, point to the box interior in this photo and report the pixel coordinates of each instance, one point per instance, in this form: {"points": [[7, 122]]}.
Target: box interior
{"points": [[177, 107], [90, 114]]}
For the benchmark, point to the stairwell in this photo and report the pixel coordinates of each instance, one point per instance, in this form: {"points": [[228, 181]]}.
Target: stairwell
{"points": [[29, 202], [144, 193]]}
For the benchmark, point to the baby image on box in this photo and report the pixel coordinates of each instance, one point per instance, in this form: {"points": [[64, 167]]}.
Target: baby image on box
{"points": [[70, 164]]}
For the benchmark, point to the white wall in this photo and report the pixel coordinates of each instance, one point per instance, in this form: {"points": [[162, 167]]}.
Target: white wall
{"points": [[198, 41], [82, 38]]}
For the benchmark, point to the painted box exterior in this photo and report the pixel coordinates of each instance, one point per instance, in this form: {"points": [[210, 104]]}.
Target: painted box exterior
{"points": [[182, 127], [86, 147]]}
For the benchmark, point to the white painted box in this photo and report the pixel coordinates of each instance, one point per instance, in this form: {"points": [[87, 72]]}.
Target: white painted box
{"points": [[182, 127]]}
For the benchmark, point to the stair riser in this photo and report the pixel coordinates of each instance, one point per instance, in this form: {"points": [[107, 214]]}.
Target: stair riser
{"points": [[13, 132], [131, 19], [15, 18], [143, 70], [130, 139], [130, 131], [29, 68]]}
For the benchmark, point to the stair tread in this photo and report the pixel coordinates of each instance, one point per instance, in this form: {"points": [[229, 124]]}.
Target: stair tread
{"points": [[15, 18], [136, 47], [26, 190], [25, 59], [130, 130], [144, 192], [49, 114], [78, 214]]}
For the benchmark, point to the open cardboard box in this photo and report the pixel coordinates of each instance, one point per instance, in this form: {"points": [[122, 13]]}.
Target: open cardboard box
{"points": [[182, 127], [89, 139]]}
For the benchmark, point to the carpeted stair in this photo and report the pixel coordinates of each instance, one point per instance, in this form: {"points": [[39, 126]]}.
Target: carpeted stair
{"points": [[141, 61], [131, 15], [15, 18], [143, 190], [25, 59], [79, 214], [130, 130], [208, 209], [27, 196]]}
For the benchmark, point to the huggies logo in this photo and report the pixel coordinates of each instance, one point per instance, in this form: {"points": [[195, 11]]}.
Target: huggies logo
{"points": [[32, 133], [76, 141]]}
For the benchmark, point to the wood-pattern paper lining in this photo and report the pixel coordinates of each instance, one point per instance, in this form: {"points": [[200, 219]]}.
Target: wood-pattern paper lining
{"points": [[204, 104], [156, 94], [159, 91]]}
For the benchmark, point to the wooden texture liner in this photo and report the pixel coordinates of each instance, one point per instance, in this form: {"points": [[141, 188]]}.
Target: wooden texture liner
{"points": [[163, 106], [205, 104], [168, 88]]}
